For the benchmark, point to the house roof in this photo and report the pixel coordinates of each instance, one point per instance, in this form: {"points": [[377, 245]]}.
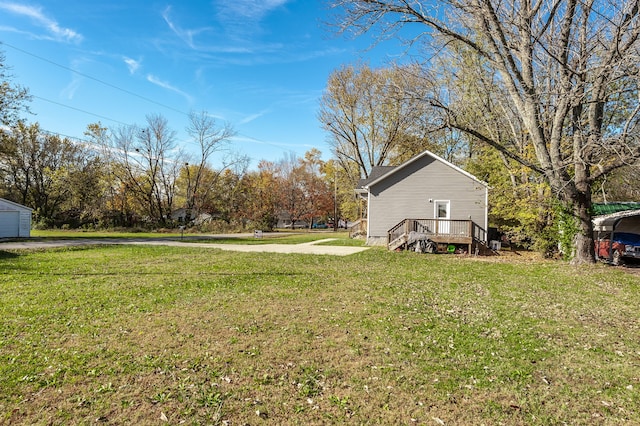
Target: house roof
{"points": [[379, 174], [600, 209], [15, 206], [376, 172]]}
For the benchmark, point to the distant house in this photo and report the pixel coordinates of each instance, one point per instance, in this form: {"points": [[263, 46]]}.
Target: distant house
{"points": [[15, 220], [180, 216], [284, 221], [428, 195]]}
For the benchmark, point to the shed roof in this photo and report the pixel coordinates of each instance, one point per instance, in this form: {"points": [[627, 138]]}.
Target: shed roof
{"points": [[10, 205]]}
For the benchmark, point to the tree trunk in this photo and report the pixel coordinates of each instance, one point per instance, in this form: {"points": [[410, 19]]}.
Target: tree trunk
{"points": [[584, 242]]}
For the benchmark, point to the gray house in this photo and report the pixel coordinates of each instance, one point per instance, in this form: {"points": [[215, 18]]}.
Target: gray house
{"points": [[428, 195], [15, 220]]}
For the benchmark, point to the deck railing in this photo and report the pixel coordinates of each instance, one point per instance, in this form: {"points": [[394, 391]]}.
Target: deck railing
{"points": [[452, 229]]}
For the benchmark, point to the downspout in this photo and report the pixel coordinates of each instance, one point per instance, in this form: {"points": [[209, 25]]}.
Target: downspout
{"points": [[486, 215], [368, 212]]}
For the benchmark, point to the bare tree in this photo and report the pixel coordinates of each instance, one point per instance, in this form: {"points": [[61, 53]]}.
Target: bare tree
{"points": [[156, 145], [146, 163], [569, 69], [211, 139]]}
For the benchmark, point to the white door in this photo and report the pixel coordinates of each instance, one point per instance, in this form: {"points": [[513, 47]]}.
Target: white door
{"points": [[442, 212]]}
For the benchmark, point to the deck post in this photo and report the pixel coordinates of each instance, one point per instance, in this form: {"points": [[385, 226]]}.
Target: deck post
{"points": [[406, 227]]}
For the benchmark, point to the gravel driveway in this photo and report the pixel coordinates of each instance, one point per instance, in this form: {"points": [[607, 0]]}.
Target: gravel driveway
{"points": [[304, 248]]}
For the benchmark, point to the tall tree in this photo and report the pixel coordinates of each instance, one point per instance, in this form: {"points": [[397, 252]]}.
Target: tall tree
{"points": [[211, 139], [231, 195], [121, 196], [263, 188], [157, 143], [319, 187], [13, 101], [337, 180], [292, 195], [146, 163], [304, 193], [568, 68], [369, 115]]}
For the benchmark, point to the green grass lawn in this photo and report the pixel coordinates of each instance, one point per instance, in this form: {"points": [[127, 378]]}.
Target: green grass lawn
{"points": [[173, 335], [279, 237], [70, 234]]}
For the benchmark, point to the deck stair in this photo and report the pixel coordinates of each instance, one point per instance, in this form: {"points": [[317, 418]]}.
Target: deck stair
{"points": [[358, 229]]}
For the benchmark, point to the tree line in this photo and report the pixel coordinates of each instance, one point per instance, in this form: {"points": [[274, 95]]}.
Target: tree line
{"points": [[136, 176]]}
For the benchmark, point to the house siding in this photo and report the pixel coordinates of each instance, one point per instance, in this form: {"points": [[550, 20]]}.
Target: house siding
{"points": [[405, 194]]}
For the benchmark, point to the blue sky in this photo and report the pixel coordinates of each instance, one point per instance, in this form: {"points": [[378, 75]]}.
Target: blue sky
{"points": [[261, 65]]}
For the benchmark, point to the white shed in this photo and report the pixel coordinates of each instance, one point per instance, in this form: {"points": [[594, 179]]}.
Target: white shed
{"points": [[15, 220]]}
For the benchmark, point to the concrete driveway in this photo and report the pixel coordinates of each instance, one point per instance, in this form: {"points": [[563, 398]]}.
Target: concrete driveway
{"points": [[304, 248]]}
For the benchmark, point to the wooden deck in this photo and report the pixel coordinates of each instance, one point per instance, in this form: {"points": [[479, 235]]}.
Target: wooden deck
{"points": [[440, 231]]}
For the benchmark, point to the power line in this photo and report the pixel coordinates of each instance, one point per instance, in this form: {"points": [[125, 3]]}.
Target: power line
{"points": [[255, 140], [94, 79], [80, 110]]}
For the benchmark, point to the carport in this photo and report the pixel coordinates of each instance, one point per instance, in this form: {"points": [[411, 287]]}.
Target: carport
{"points": [[620, 227]]}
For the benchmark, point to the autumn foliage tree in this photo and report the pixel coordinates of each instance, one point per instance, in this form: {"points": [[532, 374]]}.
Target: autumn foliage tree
{"points": [[262, 187], [60, 178]]}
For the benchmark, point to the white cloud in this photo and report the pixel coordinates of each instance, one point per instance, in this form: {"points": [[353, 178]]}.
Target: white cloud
{"points": [[253, 117], [185, 35], [37, 15], [242, 19], [70, 90], [158, 82], [189, 37], [132, 64], [254, 10]]}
